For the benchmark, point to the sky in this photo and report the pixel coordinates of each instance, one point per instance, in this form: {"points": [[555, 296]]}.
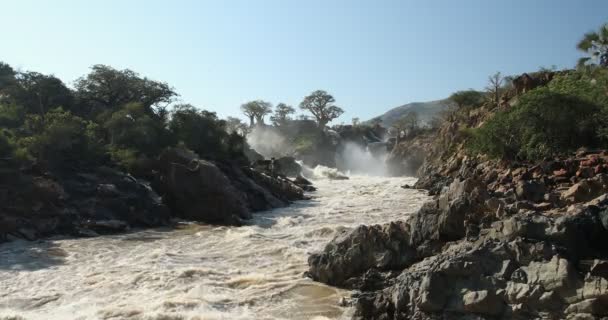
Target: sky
{"points": [[370, 55]]}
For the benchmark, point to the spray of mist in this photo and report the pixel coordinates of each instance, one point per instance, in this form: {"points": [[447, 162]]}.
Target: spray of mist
{"points": [[356, 159], [269, 142]]}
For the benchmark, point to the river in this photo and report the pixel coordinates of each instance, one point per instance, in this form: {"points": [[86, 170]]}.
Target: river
{"points": [[197, 271]]}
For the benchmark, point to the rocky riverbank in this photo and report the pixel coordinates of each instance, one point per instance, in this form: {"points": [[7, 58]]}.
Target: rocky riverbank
{"points": [[499, 241], [36, 203]]}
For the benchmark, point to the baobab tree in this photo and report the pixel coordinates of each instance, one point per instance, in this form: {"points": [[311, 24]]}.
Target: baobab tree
{"points": [[282, 114], [321, 105], [256, 111]]}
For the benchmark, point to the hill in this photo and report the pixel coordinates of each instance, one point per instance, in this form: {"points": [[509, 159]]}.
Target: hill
{"points": [[426, 111]]}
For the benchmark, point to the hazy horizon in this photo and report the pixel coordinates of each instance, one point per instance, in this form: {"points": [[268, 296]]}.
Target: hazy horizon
{"points": [[370, 56]]}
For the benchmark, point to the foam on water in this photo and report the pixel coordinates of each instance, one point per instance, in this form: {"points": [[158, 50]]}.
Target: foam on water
{"points": [[197, 271]]}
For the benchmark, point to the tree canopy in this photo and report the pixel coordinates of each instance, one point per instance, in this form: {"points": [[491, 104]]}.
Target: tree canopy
{"points": [[106, 88], [321, 105], [256, 111]]}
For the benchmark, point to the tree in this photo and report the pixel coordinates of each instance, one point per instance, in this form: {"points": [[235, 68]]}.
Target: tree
{"points": [[321, 105], [282, 114], [234, 124], [407, 124], [467, 98], [38, 92], [595, 44], [107, 88], [7, 76], [201, 131], [355, 121], [60, 138], [494, 87], [132, 128], [256, 110]]}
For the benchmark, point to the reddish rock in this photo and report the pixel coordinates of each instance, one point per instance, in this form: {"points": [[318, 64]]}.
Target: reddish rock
{"points": [[560, 173]]}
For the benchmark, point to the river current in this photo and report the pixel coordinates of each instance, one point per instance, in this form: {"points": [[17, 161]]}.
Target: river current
{"points": [[198, 271]]}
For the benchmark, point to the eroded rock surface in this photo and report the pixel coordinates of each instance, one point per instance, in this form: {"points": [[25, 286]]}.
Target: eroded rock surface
{"points": [[495, 243]]}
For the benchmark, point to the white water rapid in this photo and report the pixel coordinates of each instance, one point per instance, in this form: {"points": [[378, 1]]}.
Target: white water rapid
{"points": [[196, 271]]}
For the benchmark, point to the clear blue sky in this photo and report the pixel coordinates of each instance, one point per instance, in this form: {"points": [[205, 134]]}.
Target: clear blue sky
{"points": [[371, 55]]}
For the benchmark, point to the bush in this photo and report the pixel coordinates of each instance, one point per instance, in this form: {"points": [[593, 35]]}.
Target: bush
{"points": [[6, 147], [11, 115], [203, 133], [60, 137], [132, 128], [545, 122]]}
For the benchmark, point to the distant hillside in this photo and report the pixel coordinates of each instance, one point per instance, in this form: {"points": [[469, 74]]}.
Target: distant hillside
{"points": [[426, 111]]}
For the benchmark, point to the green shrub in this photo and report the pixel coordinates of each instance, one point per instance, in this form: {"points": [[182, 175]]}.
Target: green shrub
{"points": [[134, 129], [203, 133], [305, 143], [544, 122], [59, 138], [11, 115], [6, 147]]}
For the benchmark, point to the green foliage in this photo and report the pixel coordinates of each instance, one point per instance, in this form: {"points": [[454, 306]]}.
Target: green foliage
{"points": [[107, 88], [132, 128], [202, 132], [11, 115], [595, 45], [256, 110], [6, 147], [321, 105], [60, 138], [125, 158], [305, 143], [467, 99], [568, 114]]}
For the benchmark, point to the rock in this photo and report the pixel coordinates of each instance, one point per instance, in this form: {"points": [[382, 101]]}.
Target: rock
{"points": [[432, 293], [106, 226], [288, 166], [108, 190], [582, 191], [590, 306], [221, 193], [482, 302], [530, 190], [201, 192], [556, 275], [351, 253], [62, 202], [599, 268]]}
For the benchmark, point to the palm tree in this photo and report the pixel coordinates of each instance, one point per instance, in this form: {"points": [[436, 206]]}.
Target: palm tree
{"points": [[595, 44]]}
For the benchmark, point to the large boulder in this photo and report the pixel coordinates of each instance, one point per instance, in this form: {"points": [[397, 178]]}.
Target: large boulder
{"points": [[353, 252], [201, 192], [219, 193]]}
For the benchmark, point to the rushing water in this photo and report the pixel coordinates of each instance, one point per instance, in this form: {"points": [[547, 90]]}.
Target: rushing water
{"points": [[200, 272]]}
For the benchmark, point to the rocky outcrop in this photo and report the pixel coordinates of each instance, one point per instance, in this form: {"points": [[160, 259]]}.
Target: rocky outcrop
{"points": [[497, 242], [102, 200], [199, 190], [83, 203]]}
